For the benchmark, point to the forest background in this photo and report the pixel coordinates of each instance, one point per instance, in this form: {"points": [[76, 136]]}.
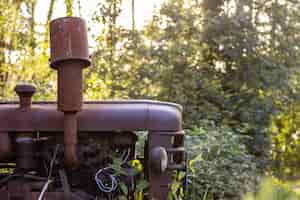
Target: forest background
{"points": [[232, 64]]}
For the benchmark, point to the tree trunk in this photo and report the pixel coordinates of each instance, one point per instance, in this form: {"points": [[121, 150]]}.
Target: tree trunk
{"points": [[49, 16], [32, 43], [133, 15]]}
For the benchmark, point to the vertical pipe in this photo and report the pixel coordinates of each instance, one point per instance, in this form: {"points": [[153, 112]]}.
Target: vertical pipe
{"points": [[70, 139], [69, 56]]}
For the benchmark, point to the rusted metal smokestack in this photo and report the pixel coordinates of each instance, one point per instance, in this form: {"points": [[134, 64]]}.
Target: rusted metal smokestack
{"points": [[69, 55]]}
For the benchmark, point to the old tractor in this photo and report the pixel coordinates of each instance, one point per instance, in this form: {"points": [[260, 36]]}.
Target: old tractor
{"points": [[64, 150]]}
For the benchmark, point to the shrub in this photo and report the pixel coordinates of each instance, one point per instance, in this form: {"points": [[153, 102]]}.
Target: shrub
{"points": [[220, 165], [272, 189]]}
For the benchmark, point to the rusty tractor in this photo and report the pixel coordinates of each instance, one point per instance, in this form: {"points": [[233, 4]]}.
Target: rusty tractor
{"points": [[62, 150]]}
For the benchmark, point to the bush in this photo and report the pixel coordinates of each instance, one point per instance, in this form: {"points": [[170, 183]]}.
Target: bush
{"points": [[272, 189], [220, 165]]}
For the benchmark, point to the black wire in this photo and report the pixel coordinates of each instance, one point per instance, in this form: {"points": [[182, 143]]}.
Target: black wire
{"points": [[26, 176]]}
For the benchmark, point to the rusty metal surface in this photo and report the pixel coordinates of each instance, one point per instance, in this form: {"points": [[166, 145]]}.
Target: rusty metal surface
{"points": [[158, 159], [51, 196], [25, 92], [69, 55], [95, 117], [6, 195], [25, 158], [118, 101], [160, 183], [69, 97], [70, 140], [68, 40], [5, 146]]}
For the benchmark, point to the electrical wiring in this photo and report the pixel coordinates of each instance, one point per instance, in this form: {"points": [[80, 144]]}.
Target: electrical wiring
{"points": [[125, 156], [45, 187], [105, 173], [106, 178]]}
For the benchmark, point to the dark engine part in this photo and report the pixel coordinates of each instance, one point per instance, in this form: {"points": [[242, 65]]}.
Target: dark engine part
{"points": [[47, 158], [67, 149], [94, 153]]}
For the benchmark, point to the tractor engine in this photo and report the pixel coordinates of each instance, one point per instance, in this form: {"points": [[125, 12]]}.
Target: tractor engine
{"points": [[83, 150]]}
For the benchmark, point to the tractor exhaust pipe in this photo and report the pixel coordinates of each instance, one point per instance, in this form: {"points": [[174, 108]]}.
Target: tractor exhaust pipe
{"points": [[69, 55]]}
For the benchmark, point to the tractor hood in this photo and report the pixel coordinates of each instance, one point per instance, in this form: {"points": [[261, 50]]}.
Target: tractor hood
{"points": [[94, 117]]}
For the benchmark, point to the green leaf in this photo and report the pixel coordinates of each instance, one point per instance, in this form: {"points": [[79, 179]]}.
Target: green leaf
{"points": [[124, 188], [141, 185], [181, 175]]}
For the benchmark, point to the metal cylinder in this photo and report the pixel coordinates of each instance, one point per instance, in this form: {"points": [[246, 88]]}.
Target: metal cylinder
{"points": [[70, 140], [68, 40], [69, 55], [69, 86], [25, 158]]}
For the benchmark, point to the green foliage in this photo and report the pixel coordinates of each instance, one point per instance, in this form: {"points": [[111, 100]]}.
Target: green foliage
{"points": [[233, 62], [176, 191], [285, 134], [271, 189], [134, 170], [220, 165], [115, 63], [69, 7]]}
